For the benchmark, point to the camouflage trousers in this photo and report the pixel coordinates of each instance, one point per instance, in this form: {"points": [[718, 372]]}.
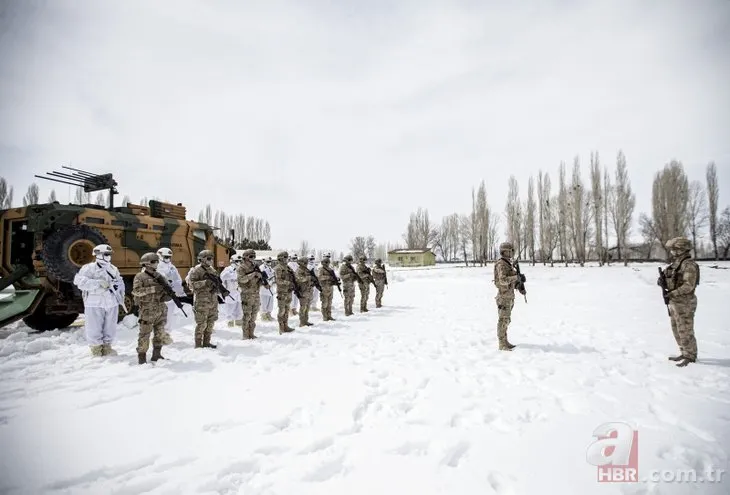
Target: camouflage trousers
{"points": [[152, 318], [304, 303], [283, 302], [206, 314], [379, 289], [349, 295], [325, 298], [683, 320], [504, 312], [364, 294], [251, 302]]}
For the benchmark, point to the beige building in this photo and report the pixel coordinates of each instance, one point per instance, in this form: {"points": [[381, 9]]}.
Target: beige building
{"points": [[411, 257]]}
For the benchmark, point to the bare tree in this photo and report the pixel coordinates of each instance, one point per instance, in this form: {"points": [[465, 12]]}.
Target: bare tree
{"points": [[580, 213], [358, 246], [648, 232], [552, 234], [481, 222], [546, 218], [420, 233], [607, 200], [6, 194], [696, 211], [206, 215], [597, 190], [723, 232], [52, 196], [370, 247], [100, 199], [622, 207], [563, 214], [530, 219], [447, 241], [81, 197], [712, 199], [465, 235], [32, 195], [513, 211], [125, 200], [670, 197], [304, 249]]}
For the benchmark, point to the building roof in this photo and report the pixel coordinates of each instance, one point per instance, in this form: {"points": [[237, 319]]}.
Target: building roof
{"points": [[409, 251]]}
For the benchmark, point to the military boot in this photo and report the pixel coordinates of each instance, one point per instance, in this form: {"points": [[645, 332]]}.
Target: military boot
{"points": [[504, 347], [206, 341], [97, 350], [106, 350], [157, 353], [142, 357], [685, 361], [507, 343], [676, 358]]}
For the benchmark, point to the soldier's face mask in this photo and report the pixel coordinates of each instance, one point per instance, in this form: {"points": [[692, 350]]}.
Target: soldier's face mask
{"points": [[167, 259], [104, 257]]}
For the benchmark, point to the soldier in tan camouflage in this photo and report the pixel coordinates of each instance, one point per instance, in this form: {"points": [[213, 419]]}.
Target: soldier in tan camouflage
{"points": [[250, 280], [366, 278], [151, 298], [380, 278], [285, 283], [328, 280], [205, 303], [348, 276], [305, 283], [507, 281], [682, 277]]}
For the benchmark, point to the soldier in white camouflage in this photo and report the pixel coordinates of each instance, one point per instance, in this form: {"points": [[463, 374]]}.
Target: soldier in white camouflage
{"points": [[152, 300], [348, 276], [507, 282], [366, 278], [682, 277], [285, 280], [205, 303]]}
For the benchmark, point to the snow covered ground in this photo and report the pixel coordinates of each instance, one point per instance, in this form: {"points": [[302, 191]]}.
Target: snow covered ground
{"points": [[413, 398]]}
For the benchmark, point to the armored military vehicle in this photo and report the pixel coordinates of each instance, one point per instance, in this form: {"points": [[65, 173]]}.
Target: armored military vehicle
{"points": [[43, 246]]}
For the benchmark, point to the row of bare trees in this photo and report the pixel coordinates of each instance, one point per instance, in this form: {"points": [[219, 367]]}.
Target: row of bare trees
{"points": [[579, 221], [247, 230]]}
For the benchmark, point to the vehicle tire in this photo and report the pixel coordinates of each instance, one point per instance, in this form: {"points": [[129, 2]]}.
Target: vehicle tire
{"points": [[69, 248], [42, 322]]}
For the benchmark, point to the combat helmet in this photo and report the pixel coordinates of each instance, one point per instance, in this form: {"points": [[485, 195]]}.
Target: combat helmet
{"points": [[205, 254], [149, 260], [506, 246], [348, 258], [282, 256], [681, 244]]}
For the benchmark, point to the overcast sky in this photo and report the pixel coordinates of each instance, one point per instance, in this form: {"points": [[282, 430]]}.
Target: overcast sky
{"points": [[337, 119]]}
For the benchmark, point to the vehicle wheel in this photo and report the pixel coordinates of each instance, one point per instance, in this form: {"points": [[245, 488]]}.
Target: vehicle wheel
{"points": [[69, 248], [42, 322]]}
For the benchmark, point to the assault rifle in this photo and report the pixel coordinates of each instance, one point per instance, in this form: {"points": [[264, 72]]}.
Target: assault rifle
{"points": [[218, 285], [521, 280], [315, 280], [662, 282], [334, 277], [167, 289], [115, 291], [357, 277], [264, 278], [297, 291]]}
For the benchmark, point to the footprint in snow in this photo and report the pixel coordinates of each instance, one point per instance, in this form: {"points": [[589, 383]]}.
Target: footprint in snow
{"points": [[328, 470], [501, 483], [317, 445], [455, 455]]}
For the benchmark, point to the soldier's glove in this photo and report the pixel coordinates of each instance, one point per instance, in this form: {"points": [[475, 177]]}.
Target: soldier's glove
{"points": [[522, 278], [523, 291], [660, 281]]}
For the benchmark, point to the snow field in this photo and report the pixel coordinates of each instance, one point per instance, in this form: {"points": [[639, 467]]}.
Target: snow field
{"points": [[413, 397]]}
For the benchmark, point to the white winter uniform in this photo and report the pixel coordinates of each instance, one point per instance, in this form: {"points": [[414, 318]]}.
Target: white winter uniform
{"points": [[232, 310], [315, 292], [267, 299], [97, 282], [169, 271], [294, 299]]}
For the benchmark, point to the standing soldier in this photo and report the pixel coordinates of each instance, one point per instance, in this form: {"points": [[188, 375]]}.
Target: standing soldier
{"points": [[151, 298], [366, 278], [285, 285], [102, 289], [327, 279], [169, 271], [232, 308], [380, 279], [250, 279], [507, 281], [294, 266], [315, 292], [348, 276], [681, 279], [205, 303], [305, 283], [267, 295]]}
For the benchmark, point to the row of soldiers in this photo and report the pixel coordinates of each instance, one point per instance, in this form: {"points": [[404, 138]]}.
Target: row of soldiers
{"points": [[158, 288]]}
